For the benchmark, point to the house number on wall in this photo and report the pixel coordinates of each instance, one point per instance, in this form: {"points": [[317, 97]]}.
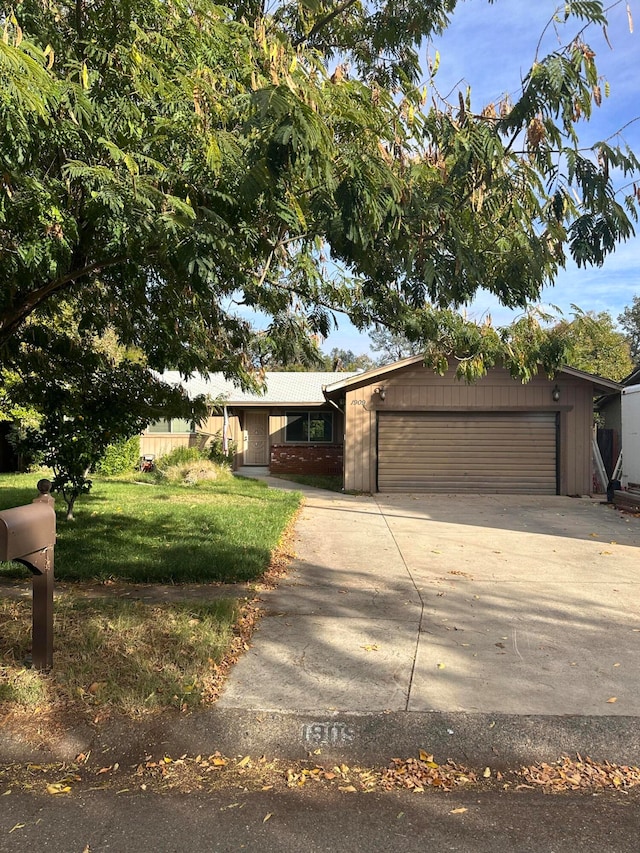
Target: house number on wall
{"points": [[358, 402]]}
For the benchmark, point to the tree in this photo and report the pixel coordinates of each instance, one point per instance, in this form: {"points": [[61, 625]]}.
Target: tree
{"points": [[593, 344], [392, 346], [163, 164], [630, 322], [96, 401], [346, 359]]}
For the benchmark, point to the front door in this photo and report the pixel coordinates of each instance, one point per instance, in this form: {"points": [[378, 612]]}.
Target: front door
{"points": [[256, 426]]}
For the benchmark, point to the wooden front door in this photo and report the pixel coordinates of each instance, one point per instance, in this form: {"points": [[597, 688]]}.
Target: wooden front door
{"points": [[256, 425]]}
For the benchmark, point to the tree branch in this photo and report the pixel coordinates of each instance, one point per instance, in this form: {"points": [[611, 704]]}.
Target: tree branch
{"points": [[13, 320], [315, 29]]}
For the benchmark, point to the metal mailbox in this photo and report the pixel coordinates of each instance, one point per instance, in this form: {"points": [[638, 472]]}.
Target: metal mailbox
{"points": [[28, 536], [25, 530]]}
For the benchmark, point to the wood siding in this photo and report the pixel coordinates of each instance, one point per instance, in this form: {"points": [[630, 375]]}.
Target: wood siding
{"points": [[417, 389], [159, 444]]}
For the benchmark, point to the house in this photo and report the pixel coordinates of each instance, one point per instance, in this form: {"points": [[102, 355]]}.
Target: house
{"points": [[404, 428], [291, 428]]}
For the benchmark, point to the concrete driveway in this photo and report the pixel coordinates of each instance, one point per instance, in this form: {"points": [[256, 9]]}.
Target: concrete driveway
{"points": [[435, 603]]}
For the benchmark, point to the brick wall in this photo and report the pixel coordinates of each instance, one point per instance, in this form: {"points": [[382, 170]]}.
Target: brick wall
{"points": [[306, 459]]}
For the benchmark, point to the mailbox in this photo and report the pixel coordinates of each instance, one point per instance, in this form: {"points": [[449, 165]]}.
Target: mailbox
{"points": [[28, 536], [25, 530]]}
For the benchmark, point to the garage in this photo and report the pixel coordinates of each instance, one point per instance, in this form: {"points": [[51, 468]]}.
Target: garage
{"points": [[471, 452], [410, 429]]}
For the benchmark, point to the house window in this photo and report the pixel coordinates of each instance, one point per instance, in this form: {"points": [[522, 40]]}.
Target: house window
{"points": [[309, 427], [173, 425]]}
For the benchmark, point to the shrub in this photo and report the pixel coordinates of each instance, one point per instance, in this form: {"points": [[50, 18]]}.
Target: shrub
{"points": [[179, 456], [217, 453], [119, 457]]}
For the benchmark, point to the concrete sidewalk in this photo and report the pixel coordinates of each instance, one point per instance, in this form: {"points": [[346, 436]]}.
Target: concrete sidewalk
{"points": [[413, 618]]}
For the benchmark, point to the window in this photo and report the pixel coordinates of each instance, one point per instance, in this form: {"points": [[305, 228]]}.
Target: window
{"points": [[309, 427], [174, 425]]}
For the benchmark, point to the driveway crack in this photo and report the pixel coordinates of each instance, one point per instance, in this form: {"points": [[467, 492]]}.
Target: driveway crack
{"points": [[420, 598]]}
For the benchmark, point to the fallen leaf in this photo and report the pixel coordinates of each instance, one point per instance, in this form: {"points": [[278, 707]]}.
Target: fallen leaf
{"points": [[17, 826], [348, 788], [245, 761], [616, 664], [441, 666], [267, 817], [58, 788], [612, 700], [461, 810], [370, 648], [487, 773]]}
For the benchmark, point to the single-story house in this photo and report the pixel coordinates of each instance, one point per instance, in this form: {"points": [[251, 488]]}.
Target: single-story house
{"points": [[291, 428], [404, 428]]}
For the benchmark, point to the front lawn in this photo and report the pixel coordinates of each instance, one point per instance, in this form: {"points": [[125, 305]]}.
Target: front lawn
{"points": [[113, 655], [163, 533]]}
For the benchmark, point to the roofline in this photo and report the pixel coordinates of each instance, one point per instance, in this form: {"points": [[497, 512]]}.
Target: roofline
{"points": [[374, 373], [598, 382], [271, 404]]}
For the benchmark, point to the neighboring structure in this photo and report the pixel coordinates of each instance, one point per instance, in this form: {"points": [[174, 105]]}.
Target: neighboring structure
{"points": [[630, 476], [291, 428], [620, 428], [404, 428]]}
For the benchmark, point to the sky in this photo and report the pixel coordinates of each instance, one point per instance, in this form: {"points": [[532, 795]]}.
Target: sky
{"points": [[490, 48]]}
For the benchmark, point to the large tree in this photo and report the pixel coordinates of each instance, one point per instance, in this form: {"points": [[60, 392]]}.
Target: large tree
{"points": [[594, 344], [630, 322], [391, 345], [169, 165]]}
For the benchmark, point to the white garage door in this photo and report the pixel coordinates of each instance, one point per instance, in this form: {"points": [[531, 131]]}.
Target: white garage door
{"points": [[499, 452]]}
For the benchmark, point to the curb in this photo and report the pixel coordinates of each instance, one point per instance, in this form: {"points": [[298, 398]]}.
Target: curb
{"points": [[500, 741]]}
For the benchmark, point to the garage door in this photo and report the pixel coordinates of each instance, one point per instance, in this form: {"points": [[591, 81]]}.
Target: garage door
{"points": [[509, 453]]}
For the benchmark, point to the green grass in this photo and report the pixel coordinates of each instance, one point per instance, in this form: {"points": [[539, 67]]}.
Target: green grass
{"points": [[148, 532]]}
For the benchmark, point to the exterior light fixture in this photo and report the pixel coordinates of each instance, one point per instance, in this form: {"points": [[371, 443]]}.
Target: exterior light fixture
{"points": [[555, 393], [381, 393]]}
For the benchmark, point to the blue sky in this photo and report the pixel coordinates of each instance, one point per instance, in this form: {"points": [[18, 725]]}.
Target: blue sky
{"points": [[490, 47]]}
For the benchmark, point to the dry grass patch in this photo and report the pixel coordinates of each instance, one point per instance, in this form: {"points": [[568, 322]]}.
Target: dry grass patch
{"points": [[118, 656]]}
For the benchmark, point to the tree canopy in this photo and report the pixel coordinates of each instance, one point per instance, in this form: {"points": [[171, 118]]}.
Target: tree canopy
{"points": [[168, 166], [594, 344], [630, 322]]}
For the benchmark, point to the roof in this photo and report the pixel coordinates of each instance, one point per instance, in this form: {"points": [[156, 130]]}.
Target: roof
{"points": [[599, 383], [281, 387]]}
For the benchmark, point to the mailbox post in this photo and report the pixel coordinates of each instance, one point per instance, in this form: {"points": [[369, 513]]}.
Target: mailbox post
{"points": [[28, 536]]}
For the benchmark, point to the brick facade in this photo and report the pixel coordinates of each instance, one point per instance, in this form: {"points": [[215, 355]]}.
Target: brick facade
{"points": [[306, 458]]}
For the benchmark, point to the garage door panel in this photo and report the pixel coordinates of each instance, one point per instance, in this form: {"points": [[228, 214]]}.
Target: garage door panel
{"points": [[467, 452]]}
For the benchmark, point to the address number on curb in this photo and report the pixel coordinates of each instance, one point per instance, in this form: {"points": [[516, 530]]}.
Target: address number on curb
{"points": [[328, 734]]}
